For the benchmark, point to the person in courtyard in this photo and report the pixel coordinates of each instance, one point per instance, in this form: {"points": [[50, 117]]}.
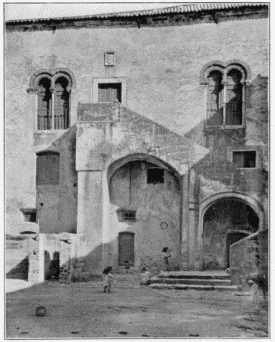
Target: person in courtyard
{"points": [[108, 278], [145, 277], [165, 258]]}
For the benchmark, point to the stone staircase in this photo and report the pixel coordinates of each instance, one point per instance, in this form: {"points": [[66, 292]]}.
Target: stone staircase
{"points": [[194, 280]]}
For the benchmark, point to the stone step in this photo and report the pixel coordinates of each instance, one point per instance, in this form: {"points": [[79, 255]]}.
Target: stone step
{"points": [[195, 275], [190, 281], [195, 287]]}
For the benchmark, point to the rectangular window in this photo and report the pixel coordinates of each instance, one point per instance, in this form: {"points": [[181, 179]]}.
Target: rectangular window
{"points": [[129, 215], [244, 159], [109, 92], [29, 214], [155, 176], [47, 168]]}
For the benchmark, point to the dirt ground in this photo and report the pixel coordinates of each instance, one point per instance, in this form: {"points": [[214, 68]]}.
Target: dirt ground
{"points": [[83, 310]]}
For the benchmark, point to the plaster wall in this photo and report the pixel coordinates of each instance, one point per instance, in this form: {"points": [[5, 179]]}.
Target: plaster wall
{"points": [[154, 204], [168, 92]]}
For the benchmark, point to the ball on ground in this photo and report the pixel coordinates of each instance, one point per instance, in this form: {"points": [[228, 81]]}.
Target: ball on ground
{"points": [[41, 311]]}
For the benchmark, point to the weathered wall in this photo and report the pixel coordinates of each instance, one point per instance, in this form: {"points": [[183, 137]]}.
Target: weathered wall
{"points": [[244, 258], [169, 87], [161, 66], [57, 204], [154, 204], [16, 257], [221, 220]]}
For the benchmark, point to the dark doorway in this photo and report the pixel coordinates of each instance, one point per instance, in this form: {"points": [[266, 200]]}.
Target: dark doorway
{"points": [[231, 238], [126, 249], [223, 217]]}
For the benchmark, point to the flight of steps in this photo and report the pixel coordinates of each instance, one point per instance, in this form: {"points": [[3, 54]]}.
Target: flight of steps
{"points": [[194, 280]]}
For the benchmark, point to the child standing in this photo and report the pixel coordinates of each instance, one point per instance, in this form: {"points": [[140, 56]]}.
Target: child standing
{"points": [[165, 258], [145, 277], [108, 277]]}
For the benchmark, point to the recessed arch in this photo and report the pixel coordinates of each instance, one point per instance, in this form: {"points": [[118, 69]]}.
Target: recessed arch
{"points": [[225, 218], [210, 201], [224, 67], [135, 203], [66, 73], [251, 201], [210, 66], [37, 76], [115, 165]]}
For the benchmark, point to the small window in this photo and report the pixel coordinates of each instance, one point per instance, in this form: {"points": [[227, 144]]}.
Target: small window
{"points": [[129, 215], [126, 215], [109, 92], [155, 176], [244, 159], [29, 214]]}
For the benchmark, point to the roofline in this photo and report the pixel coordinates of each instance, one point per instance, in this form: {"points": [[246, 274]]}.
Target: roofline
{"points": [[179, 9]]}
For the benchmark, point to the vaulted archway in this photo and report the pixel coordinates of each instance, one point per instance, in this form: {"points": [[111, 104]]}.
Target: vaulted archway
{"points": [[225, 221], [145, 201]]}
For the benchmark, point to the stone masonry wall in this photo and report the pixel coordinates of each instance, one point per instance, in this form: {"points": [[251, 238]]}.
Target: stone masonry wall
{"points": [[167, 92]]}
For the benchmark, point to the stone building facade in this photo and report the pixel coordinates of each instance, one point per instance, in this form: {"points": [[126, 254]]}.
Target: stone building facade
{"points": [[140, 130]]}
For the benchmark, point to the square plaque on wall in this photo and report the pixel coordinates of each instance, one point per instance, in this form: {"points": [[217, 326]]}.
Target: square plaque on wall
{"points": [[109, 59]]}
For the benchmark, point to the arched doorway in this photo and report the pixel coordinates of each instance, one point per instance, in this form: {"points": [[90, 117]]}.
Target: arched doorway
{"points": [[225, 222], [145, 204]]}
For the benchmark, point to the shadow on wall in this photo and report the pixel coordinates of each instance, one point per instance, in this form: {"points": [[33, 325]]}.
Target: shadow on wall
{"points": [[20, 270], [256, 113], [57, 202]]}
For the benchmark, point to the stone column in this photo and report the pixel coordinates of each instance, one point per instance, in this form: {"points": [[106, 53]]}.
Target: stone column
{"points": [[105, 219], [184, 222], [191, 215]]}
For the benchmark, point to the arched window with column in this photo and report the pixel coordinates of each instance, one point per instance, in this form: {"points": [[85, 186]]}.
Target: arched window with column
{"points": [[215, 98], [53, 90], [234, 96], [61, 104], [44, 104], [225, 93]]}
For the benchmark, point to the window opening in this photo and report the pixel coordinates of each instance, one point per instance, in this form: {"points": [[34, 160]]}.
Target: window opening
{"points": [[109, 92], [44, 107], [215, 98], [129, 215], [155, 176], [61, 104], [244, 159], [234, 98], [29, 214]]}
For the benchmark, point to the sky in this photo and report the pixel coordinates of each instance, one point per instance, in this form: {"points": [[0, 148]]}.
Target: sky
{"points": [[25, 10]]}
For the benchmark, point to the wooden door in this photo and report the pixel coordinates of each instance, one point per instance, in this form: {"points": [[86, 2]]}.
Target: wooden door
{"points": [[126, 249]]}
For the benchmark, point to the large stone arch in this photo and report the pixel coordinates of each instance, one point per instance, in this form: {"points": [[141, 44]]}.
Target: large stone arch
{"points": [[217, 199], [156, 209], [122, 160]]}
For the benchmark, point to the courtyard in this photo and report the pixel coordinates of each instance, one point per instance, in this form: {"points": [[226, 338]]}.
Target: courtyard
{"points": [[82, 310]]}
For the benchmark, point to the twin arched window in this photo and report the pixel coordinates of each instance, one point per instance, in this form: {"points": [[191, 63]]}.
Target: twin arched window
{"points": [[225, 95], [53, 100]]}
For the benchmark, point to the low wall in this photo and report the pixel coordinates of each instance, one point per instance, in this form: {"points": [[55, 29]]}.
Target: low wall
{"points": [[39, 257], [249, 255], [264, 247], [16, 256]]}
